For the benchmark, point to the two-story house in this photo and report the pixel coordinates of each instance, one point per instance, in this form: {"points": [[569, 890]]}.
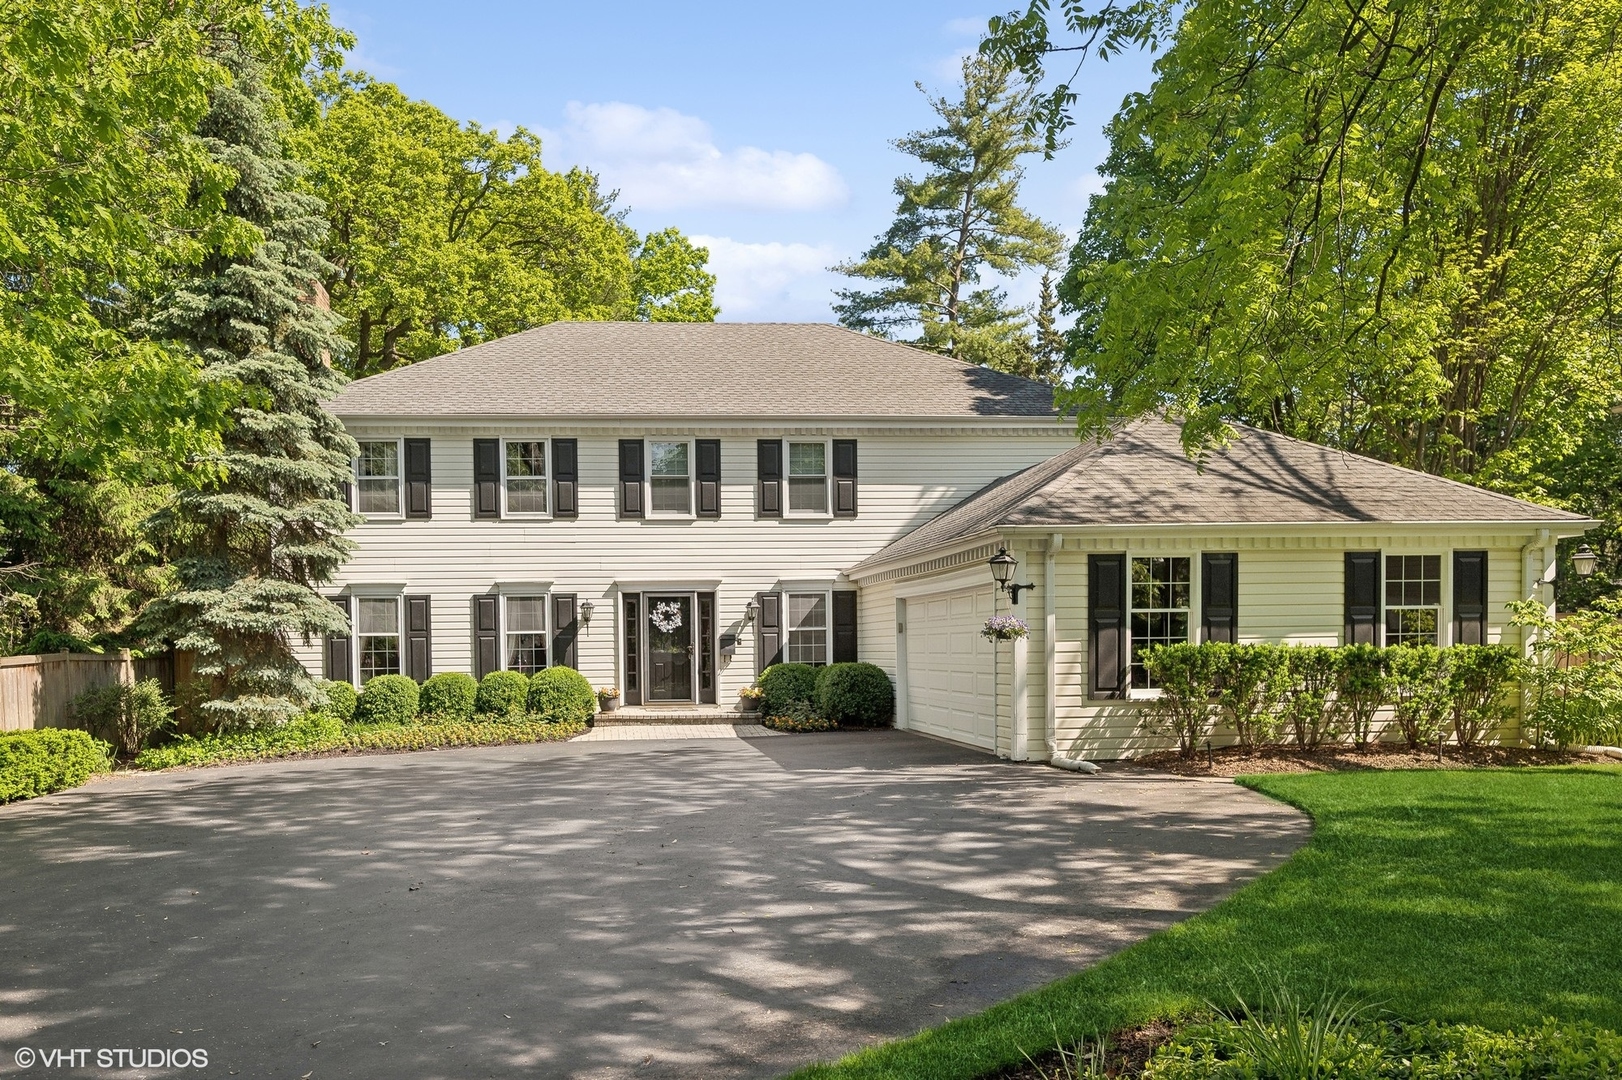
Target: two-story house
{"points": [[669, 508]]}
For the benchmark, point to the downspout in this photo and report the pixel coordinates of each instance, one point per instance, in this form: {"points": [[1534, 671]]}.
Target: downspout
{"points": [[1050, 644], [1532, 583]]}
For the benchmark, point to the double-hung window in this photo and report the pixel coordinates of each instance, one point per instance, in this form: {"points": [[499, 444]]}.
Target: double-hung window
{"points": [[1160, 608], [377, 632], [1413, 599], [807, 637], [524, 477], [525, 644], [670, 477], [377, 477], [807, 477]]}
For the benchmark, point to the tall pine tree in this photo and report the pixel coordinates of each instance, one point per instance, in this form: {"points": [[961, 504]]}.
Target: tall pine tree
{"points": [[263, 525]]}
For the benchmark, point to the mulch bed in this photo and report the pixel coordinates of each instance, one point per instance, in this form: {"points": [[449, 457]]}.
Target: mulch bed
{"points": [[1125, 1055], [1230, 761]]}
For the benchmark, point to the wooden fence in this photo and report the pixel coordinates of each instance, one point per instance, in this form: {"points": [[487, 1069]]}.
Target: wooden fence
{"points": [[36, 691]]}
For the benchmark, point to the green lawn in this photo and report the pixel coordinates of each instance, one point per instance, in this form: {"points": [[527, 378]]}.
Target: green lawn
{"points": [[1492, 896]]}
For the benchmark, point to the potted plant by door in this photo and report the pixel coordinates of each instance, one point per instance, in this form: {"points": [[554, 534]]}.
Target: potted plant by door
{"points": [[749, 699], [608, 698]]}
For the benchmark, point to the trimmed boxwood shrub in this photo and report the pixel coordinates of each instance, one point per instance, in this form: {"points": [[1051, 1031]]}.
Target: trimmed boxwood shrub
{"points": [[855, 695], [46, 760], [786, 685], [448, 696], [340, 700], [561, 694], [387, 699], [501, 693]]}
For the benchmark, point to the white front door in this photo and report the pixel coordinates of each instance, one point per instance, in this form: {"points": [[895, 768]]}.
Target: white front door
{"points": [[950, 667]]}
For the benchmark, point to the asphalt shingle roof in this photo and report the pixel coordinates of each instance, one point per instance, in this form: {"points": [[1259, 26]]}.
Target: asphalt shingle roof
{"points": [[1141, 476], [732, 370]]}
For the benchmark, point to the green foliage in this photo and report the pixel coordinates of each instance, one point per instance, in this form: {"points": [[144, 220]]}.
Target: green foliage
{"points": [[959, 221], [1251, 681], [449, 695], [670, 282], [1576, 675], [341, 700], [785, 685], [387, 699], [799, 717], [502, 693], [46, 760], [1186, 676], [855, 695], [126, 715], [1361, 689], [561, 694], [1313, 671], [1480, 679], [317, 733], [1420, 696]]}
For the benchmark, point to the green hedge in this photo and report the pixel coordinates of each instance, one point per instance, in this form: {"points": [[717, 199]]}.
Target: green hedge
{"points": [[317, 733], [388, 699], [855, 695], [787, 685], [450, 695], [502, 693], [561, 694], [341, 700], [46, 760]]}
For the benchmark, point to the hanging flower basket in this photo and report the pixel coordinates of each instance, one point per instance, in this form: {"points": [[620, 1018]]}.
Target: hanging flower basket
{"points": [[1004, 628]]}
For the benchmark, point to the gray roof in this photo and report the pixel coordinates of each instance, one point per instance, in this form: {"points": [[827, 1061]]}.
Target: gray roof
{"points": [[1141, 476], [732, 370]]}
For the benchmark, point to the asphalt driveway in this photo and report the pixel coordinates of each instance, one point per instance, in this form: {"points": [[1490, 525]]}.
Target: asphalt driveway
{"points": [[711, 908]]}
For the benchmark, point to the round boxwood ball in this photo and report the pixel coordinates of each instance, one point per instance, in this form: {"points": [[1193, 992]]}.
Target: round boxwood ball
{"points": [[786, 685], [449, 696], [387, 699], [340, 700], [560, 694], [501, 693], [856, 695]]}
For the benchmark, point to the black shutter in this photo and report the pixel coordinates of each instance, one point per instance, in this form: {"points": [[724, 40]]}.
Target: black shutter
{"points": [[631, 478], [1469, 598], [486, 636], [844, 627], [706, 647], [1219, 600], [1107, 644], [486, 478], [565, 629], [419, 480], [633, 650], [771, 631], [769, 478], [1362, 598], [346, 495], [419, 652], [844, 478], [338, 651], [708, 453], [565, 478]]}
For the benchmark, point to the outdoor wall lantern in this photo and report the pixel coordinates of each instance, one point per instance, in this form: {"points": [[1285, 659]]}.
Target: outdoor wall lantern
{"points": [[751, 611], [1583, 560], [1003, 566], [585, 612]]}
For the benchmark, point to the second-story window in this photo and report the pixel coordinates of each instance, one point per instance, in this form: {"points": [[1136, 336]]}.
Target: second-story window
{"points": [[807, 477], [377, 477], [525, 477], [670, 477]]}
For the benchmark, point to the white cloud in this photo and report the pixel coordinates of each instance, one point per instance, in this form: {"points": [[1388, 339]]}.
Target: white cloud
{"points": [[774, 281], [661, 159], [966, 27]]}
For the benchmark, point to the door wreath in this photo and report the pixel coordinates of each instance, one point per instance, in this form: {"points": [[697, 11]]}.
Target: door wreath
{"points": [[666, 616]]}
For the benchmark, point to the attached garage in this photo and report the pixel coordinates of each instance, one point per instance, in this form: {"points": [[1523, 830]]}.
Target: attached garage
{"points": [[950, 676]]}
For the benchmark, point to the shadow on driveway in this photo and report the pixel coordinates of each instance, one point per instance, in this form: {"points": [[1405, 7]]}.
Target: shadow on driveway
{"points": [[711, 908]]}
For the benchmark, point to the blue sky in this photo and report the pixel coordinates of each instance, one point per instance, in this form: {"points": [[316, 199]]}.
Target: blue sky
{"points": [[761, 129]]}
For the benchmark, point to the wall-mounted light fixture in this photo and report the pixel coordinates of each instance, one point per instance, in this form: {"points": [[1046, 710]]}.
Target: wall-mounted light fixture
{"points": [[751, 612], [1003, 566], [1584, 561], [585, 612]]}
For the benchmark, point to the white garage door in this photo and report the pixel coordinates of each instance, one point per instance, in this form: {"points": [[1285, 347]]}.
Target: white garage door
{"points": [[949, 667]]}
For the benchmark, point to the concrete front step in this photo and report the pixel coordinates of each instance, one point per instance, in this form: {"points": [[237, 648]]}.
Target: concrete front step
{"points": [[628, 715]]}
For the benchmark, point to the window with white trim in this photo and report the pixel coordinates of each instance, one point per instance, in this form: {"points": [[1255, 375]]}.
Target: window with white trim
{"points": [[377, 636], [523, 477], [807, 477], [377, 477], [1413, 599], [806, 623], [524, 644], [1161, 591], [670, 477]]}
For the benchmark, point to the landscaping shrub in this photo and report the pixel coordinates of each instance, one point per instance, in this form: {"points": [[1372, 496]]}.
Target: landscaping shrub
{"points": [[501, 693], [1420, 697], [1361, 688], [1312, 671], [1479, 678], [855, 695], [448, 696], [1184, 675], [785, 685], [798, 717], [561, 694], [387, 699], [1250, 684], [123, 714], [46, 760], [341, 699], [1576, 675]]}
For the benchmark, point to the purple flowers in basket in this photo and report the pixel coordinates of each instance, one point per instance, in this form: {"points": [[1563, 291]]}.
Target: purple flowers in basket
{"points": [[1004, 628]]}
